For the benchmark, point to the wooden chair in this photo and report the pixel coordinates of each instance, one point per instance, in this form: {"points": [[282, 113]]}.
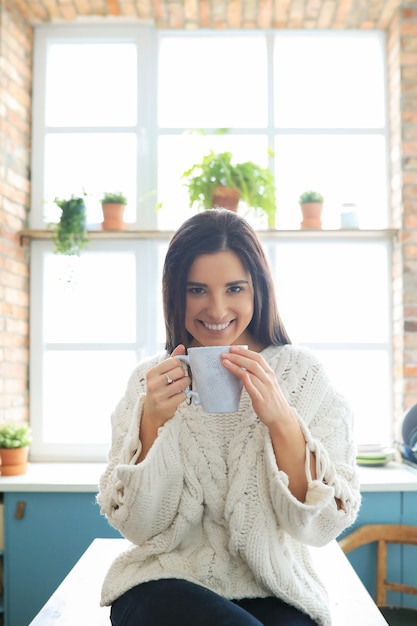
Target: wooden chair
{"points": [[384, 534]]}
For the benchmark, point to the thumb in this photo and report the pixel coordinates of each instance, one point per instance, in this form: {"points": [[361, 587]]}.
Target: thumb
{"points": [[180, 349]]}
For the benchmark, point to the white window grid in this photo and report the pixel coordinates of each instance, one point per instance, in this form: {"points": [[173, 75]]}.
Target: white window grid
{"points": [[147, 340]]}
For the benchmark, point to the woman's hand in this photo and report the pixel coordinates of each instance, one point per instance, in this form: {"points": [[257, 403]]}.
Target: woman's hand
{"points": [[164, 393], [259, 380], [164, 389]]}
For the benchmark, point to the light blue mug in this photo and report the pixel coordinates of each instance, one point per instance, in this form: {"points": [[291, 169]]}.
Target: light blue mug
{"points": [[217, 389]]}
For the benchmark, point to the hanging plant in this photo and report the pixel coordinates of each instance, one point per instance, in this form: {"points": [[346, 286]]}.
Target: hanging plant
{"points": [[70, 233]]}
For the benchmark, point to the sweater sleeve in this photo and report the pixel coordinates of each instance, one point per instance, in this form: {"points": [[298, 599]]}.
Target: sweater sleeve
{"points": [[140, 499], [333, 498]]}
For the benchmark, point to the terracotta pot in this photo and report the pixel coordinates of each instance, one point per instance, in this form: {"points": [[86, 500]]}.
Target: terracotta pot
{"points": [[14, 461], [113, 216], [226, 198], [311, 212]]}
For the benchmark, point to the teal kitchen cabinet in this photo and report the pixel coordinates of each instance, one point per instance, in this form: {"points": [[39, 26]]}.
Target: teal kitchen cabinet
{"points": [[45, 534], [409, 555]]}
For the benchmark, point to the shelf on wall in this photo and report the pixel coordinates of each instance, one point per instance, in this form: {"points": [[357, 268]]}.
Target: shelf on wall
{"points": [[339, 233]]}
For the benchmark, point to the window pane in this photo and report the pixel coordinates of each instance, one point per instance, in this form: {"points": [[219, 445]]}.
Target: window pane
{"points": [[79, 394], [93, 163], [329, 80], [344, 168], [202, 82], [179, 153], [80, 84], [86, 301], [364, 378], [333, 292]]}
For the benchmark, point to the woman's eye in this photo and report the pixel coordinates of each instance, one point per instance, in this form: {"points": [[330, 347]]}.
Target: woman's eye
{"points": [[195, 290], [236, 289]]}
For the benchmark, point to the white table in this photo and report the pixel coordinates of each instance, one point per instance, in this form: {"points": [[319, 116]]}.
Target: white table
{"points": [[76, 601]]}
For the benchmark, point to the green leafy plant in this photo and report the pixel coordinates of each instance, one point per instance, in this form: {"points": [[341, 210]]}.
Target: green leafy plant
{"points": [[14, 435], [310, 196], [255, 184], [70, 233], [116, 197]]}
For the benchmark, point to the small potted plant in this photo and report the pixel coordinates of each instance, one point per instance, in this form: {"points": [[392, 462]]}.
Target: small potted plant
{"points": [[70, 233], [217, 182], [14, 448], [311, 204], [113, 205]]}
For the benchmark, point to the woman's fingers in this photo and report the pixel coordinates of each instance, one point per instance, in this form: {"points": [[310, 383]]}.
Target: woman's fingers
{"points": [[241, 361], [171, 370], [171, 373], [260, 383], [165, 384]]}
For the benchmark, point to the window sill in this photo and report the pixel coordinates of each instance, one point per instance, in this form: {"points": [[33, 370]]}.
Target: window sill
{"points": [[58, 477]]}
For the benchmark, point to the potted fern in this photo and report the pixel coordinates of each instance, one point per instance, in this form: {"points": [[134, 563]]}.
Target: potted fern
{"points": [[216, 175], [113, 205], [70, 233], [14, 448], [311, 204]]}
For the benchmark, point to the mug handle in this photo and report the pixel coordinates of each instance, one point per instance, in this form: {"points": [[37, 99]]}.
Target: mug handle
{"points": [[188, 392]]}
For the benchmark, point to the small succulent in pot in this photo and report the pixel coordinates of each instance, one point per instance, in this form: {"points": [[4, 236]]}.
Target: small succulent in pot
{"points": [[116, 197], [15, 435], [14, 448], [113, 204], [310, 196], [311, 204]]}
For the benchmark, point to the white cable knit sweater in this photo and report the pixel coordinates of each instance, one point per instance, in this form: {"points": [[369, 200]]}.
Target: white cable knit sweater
{"points": [[208, 503]]}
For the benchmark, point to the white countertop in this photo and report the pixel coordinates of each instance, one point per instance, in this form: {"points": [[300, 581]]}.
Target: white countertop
{"points": [[79, 477], [390, 477], [350, 603], [55, 477]]}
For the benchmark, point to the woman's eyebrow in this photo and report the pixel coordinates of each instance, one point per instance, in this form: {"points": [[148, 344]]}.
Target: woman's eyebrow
{"points": [[193, 283], [237, 282]]}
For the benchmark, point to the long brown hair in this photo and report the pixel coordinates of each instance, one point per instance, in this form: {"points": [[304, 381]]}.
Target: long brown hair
{"points": [[206, 233]]}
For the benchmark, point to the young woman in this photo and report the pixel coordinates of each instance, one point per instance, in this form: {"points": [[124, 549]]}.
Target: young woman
{"points": [[221, 508]]}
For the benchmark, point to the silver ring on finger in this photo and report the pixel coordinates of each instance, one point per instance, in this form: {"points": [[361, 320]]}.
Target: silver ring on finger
{"points": [[169, 379]]}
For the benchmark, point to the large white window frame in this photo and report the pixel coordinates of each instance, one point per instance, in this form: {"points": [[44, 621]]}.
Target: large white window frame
{"points": [[145, 40], [146, 248]]}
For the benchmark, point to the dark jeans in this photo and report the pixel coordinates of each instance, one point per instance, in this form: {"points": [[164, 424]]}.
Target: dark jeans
{"points": [[172, 602]]}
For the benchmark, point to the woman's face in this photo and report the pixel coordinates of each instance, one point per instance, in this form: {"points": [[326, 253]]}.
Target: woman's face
{"points": [[219, 301]]}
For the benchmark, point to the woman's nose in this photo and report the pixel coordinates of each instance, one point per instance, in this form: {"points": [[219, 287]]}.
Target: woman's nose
{"points": [[216, 308]]}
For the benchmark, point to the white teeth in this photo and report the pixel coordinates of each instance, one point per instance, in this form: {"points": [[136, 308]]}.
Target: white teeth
{"points": [[217, 326]]}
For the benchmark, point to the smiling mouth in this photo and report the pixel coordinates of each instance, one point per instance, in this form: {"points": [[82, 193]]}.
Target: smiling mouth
{"points": [[216, 326]]}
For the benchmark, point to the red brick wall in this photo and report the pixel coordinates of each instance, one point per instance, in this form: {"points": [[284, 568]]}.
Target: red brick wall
{"points": [[222, 13], [402, 69], [15, 103], [394, 89]]}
